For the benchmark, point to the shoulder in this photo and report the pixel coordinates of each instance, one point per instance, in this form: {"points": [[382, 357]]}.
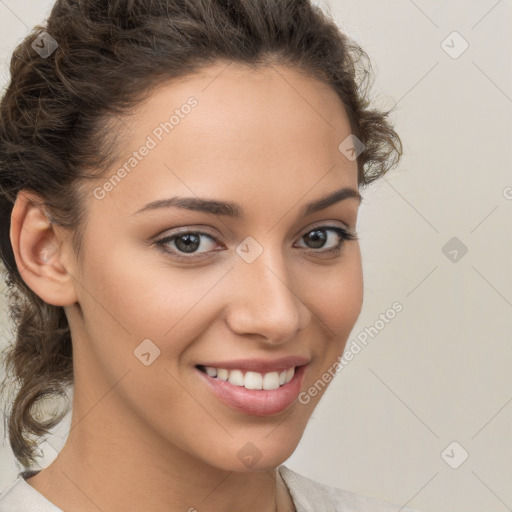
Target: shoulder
{"points": [[311, 496]]}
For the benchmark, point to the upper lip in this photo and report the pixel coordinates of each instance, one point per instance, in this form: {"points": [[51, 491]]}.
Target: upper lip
{"points": [[260, 365]]}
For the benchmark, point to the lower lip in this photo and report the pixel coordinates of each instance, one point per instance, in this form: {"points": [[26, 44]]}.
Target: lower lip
{"points": [[257, 402]]}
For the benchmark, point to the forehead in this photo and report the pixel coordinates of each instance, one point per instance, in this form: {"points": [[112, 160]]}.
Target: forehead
{"points": [[231, 130]]}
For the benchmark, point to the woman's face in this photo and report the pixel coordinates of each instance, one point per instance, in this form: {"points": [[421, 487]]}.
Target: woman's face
{"points": [[238, 275]]}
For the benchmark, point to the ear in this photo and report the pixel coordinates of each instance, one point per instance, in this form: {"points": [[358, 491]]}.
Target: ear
{"points": [[42, 252]]}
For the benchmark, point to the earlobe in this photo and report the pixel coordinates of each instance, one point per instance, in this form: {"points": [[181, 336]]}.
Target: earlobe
{"points": [[40, 251]]}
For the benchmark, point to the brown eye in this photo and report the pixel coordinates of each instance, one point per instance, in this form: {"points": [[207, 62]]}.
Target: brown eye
{"points": [[187, 243], [318, 237]]}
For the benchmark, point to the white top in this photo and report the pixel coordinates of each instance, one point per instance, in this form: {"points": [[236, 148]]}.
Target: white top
{"points": [[307, 495]]}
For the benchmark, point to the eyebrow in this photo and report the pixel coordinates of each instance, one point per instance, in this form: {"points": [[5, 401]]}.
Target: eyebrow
{"points": [[235, 210]]}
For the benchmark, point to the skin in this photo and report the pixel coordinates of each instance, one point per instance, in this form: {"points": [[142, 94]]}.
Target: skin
{"points": [[154, 438]]}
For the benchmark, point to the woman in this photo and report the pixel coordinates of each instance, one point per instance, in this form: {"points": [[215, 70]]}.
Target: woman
{"points": [[181, 183]]}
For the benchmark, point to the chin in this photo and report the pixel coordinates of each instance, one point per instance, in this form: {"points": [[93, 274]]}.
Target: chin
{"points": [[260, 454]]}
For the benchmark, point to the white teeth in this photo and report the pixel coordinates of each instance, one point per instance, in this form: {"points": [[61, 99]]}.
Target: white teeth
{"points": [[212, 372], [236, 377], [252, 380], [271, 380], [222, 374]]}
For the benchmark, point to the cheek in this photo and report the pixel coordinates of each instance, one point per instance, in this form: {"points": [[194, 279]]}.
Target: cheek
{"points": [[132, 295], [336, 302], [335, 294], [129, 299]]}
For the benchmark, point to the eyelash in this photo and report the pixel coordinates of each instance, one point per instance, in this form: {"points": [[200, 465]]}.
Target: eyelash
{"points": [[344, 235]]}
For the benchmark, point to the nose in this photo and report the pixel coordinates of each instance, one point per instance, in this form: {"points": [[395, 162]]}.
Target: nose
{"points": [[266, 301]]}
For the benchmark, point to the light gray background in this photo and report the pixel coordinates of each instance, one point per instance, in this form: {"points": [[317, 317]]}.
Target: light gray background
{"points": [[440, 371]]}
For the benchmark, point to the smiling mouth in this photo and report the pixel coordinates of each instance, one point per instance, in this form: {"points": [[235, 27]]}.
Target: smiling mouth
{"points": [[249, 379]]}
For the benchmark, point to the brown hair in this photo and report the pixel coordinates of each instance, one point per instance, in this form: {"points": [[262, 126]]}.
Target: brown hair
{"points": [[59, 112]]}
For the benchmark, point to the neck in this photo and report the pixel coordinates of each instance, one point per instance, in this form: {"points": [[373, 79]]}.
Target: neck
{"points": [[113, 461]]}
